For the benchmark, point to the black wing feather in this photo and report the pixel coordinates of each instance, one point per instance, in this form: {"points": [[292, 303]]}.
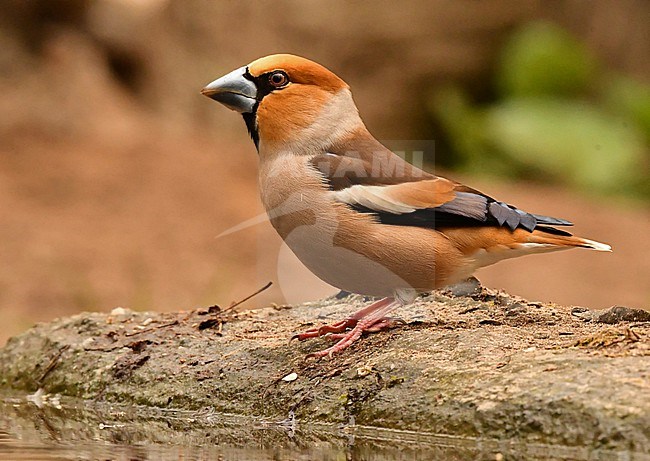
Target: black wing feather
{"points": [[470, 210]]}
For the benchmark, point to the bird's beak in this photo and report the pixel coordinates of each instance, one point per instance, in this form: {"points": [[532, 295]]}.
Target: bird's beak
{"points": [[234, 91]]}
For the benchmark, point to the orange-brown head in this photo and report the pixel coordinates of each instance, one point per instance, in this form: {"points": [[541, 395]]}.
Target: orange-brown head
{"points": [[287, 100]]}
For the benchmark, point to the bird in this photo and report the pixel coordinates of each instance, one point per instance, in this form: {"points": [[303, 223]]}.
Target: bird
{"points": [[356, 214]]}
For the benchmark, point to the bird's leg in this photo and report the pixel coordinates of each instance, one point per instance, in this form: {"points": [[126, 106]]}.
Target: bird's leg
{"points": [[369, 322], [385, 323], [340, 327]]}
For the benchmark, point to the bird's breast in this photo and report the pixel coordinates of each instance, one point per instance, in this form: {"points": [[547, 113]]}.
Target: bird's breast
{"points": [[294, 196], [344, 248]]}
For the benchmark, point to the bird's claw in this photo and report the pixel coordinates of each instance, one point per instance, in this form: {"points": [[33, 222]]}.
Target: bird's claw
{"points": [[316, 332], [347, 338]]}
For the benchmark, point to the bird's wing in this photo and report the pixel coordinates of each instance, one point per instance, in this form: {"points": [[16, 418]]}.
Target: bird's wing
{"points": [[405, 195]]}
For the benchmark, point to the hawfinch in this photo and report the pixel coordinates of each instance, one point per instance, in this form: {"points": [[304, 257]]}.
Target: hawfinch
{"points": [[357, 215]]}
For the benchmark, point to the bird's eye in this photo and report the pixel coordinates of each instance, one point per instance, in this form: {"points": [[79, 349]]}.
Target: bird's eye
{"points": [[278, 79]]}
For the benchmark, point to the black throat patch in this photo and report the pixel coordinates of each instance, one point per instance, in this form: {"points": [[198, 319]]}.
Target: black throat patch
{"points": [[250, 119], [264, 87]]}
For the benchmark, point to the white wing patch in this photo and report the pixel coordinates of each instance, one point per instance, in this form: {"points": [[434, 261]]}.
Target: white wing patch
{"points": [[373, 197]]}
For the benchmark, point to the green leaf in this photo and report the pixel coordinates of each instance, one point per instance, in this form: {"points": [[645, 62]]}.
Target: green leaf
{"points": [[543, 59], [570, 140]]}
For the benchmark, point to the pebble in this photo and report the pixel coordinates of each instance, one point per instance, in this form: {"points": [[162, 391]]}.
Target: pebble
{"points": [[119, 311], [290, 377]]}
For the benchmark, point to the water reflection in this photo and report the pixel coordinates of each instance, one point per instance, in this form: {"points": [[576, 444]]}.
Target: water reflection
{"points": [[80, 430]]}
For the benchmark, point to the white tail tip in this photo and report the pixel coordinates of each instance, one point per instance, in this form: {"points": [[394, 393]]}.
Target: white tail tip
{"points": [[596, 245]]}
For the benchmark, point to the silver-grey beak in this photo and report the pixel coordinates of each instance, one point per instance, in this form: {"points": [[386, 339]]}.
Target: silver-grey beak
{"points": [[233, 90]]}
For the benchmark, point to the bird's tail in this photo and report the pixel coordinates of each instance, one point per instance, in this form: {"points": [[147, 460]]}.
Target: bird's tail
{"points": [[561, 239]]}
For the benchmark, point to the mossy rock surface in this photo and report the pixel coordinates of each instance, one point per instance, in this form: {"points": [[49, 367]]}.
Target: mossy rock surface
{"points": [[474, 363]]}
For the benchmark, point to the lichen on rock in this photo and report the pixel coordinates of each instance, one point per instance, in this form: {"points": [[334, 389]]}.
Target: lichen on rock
{"points": [[468, 362]]}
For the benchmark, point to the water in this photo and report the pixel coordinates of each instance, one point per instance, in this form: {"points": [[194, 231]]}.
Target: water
{"points": [[47, 428]]}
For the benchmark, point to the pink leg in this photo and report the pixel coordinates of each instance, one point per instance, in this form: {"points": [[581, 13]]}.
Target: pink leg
{"points": [[340, 327], [372, 320], [385, 323]]}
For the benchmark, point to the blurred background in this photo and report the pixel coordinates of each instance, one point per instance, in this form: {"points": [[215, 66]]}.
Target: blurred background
{"points": [[117, 176]]}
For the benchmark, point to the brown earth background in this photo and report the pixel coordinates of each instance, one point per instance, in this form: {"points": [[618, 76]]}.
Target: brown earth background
{"points": [[117, 177]]}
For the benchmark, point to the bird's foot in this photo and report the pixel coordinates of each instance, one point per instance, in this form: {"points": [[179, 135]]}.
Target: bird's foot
{"points": [[366, 325], [343, 325], [335, 328], [384, 323], [370, 319]]}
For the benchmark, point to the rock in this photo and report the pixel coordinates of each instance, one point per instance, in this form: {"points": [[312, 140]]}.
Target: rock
{"points": [[617, 314], [470, 287], [584, 313], [533, 372]]}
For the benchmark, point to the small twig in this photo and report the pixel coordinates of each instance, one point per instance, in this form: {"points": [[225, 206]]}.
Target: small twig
{"points": [[104, 349], [53, 362], [233, 305], [273, 383], [157, 327], [218, 319]]}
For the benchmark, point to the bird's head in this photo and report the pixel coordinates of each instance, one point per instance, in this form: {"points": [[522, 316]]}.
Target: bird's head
{"points": [[288, 103]]}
